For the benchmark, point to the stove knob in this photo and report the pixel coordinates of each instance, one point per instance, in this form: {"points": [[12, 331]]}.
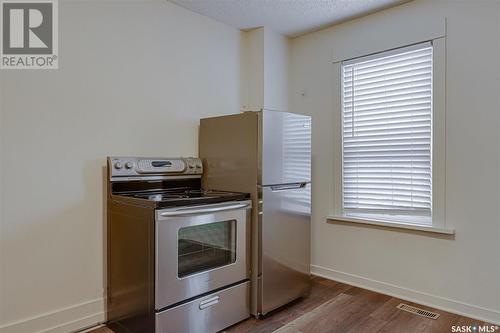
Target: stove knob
{"points": [[129, 165], [191, 165], [118, 165], [198, 165]]}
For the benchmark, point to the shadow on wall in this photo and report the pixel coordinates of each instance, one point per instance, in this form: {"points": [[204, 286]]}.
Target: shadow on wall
{"points": [[63, 248], [104, 173]]}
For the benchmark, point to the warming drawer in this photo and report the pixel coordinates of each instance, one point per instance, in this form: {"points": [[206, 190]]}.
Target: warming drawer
{"points": [[207, 314]]}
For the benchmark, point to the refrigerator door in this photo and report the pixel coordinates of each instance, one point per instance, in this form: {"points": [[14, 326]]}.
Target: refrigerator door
{"points": [[285, 236], [286, 148]]}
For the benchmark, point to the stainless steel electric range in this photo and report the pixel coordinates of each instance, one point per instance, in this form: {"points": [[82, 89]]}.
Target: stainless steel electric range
{"points": [[178, 255]]}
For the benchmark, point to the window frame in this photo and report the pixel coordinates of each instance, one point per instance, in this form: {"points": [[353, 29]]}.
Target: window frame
{"points": [[438, 137]]}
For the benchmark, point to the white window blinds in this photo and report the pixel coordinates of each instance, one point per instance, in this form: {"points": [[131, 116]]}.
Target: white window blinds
{"points": [[387, 134]]}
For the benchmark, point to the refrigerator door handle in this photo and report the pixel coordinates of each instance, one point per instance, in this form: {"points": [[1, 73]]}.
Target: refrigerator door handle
{"points": [[286, 187]]}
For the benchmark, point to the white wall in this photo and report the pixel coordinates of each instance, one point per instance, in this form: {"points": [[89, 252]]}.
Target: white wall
{"points": [[265, 60], [134, 79], [252, 61], [276, 56], [460, 274]]}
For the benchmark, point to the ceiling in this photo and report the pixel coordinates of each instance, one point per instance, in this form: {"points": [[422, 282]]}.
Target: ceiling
{"points": [[288, 17]]}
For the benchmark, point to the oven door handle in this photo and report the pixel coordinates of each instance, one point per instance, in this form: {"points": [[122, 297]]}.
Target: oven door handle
{"points": [[204, 209]]}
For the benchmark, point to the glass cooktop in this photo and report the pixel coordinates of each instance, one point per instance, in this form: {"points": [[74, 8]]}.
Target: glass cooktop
{"points": [[175, 197]]}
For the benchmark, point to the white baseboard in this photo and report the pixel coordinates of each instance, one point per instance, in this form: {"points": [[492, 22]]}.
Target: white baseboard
{"points": [[445, 304], [69, 319]]}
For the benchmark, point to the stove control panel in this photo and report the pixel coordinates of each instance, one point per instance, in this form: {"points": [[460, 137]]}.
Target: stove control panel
{"points": [[145, 166]]}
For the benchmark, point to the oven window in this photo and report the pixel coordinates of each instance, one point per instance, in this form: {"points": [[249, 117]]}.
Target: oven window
{"points": [[207, 246]]}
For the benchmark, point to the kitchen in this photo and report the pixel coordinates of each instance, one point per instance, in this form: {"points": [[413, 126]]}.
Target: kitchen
{"points": [[136, 77]]}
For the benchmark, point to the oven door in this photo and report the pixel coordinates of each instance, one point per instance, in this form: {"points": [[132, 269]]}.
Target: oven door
{"points": [[200, 249]]}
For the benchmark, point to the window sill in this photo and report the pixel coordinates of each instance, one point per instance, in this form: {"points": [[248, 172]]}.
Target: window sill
{"points": [[388, 224]]}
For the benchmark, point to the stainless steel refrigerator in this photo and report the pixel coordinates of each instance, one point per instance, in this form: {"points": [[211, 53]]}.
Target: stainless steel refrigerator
{"points": [[267, 154]]}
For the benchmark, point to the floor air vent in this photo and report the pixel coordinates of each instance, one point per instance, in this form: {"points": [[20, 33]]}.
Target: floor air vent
{"points": [[417, 311]]}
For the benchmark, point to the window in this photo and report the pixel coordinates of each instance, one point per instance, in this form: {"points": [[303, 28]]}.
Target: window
{"points": [[387, 141], [206, 246]]}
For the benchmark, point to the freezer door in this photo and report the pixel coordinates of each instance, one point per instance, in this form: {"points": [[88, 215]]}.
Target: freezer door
{"points": [[286, 147], [285, 245], [229, 150]]}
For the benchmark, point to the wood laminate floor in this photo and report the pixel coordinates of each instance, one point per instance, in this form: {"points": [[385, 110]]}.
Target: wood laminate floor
{"points": [[335, 307]]}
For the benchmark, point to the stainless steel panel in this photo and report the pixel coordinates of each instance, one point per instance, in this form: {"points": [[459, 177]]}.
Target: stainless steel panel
{"points": [[132, 167], [230, 148], [170, 288], [282, 132], [256, 298], [207, 314], [285, 246]]}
